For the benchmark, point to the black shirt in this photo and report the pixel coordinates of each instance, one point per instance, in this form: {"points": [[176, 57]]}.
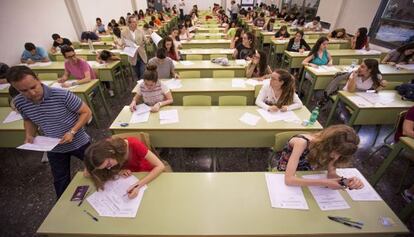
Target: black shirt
{"points": [[243, 52], [65, 42]]}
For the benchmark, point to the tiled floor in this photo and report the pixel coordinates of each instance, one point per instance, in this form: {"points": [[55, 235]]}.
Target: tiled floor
{"points": [[27, 194]]}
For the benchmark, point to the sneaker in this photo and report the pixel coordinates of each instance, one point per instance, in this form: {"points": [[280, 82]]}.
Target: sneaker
{"points": [[408, 197], [111, 93], [44, 158]]}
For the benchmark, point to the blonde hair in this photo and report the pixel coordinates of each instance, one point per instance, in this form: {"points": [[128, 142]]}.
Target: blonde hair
{"points": [[341, 139]]}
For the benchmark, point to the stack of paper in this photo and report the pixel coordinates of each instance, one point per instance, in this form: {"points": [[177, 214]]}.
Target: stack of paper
{"points": [[13, 116], [253, 82], [186, 63], [288, 116], [112, 201], [239, 83], [283, 196], [173, 83], [141, 114], [169, 116], [4, 86], [327, 199], [249, 119], [40, 143], [367, 193], [131, 51], [59, 85]]}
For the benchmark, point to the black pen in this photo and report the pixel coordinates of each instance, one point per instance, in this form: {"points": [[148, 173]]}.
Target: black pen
{"points": [[348, 220], [344, 222], [89, 214], [84, 197]]}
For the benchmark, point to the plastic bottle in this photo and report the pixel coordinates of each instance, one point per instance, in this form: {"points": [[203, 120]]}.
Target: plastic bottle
{"points": [[314, 116]]}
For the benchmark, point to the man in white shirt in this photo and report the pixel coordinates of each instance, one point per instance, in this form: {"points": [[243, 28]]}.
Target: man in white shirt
{"points": [[167, 6], [234, 10], [314, 25], [181, 6]]}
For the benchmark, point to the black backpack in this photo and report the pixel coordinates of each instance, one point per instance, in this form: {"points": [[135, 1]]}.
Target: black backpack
{"points": [[89, 35], [406, 91]]}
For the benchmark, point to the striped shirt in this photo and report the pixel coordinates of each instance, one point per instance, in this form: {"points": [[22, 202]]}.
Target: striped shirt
{"points": [[55, 115], [153, 95]]}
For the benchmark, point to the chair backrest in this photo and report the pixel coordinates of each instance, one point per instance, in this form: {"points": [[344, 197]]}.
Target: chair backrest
{"points": [[4, 102], [282, 137], [334, 46], [347, 61], [190, 74], [143, 137], [223, 73], [325, 25], [232, 100], [47, 76], [257, 89], [200, 37], [197, 100], [392, 84], [60, 58], [194, 57], [214, 37], [398, 125]]}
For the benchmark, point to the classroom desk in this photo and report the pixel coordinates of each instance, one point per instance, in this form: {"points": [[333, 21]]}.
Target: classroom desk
{"points": [[363, 114], [214, 87], [207, 53], [90, 55], [206, 68], [295, 59], [210, 25], [96, 45], [11, 134], [322, 79], [209, 30], [266, 36], [210, 35], [206, 43], [211, 126], [279, 46], [214, 204]]}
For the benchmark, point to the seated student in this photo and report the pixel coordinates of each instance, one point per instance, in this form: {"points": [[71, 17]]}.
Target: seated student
{"points": [[260, 21], [290, 17], [282, 33], [172, 52], [106, 56], [314, 25], [299, 22], [338, 34], [237, 38], [360, 40], [279, 94], [194, 18], [152, 25], [319, 54], [99, 27], [327, 149], [184, 34], [147, 30], [165, 65], [113, 157], [401, 55], [188, 25], [230, 31], [269, 25], [58, 42], [32, 54], [246, 49], [156, 21], [175, 32], [366, 77], [297, 43], [76, 67], [282, 14], [118, 42], [141, 15], [122, 22], [4, 69], [153, 92], [258, 68]]}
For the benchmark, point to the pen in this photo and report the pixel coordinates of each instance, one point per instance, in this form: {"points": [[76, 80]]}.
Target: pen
{"points": [[135, 186], [347, 219], [89, 214], [84, 197], [344, 222]]}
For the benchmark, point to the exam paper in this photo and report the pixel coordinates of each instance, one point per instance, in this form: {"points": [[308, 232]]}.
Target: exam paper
{"points": [[283, 196], [40, 143], [59, 85], [38, 64], [253, 82], [363, 51], [326, 69], [377, 98], [4, 86], [249, 119], [173, 83], [156, 38], [327, 199], [141, 114], [241, 62], [367, 193], [186, 63], [95, 64], [288, 116], [406, 66], [130, 51], [169, 116], [13, 116], [239, 83], [112, 201]]}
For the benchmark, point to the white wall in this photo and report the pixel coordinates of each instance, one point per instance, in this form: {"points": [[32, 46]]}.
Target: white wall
{"points": [[105, 9], [329, 10], [142, 4], [21, 23]]}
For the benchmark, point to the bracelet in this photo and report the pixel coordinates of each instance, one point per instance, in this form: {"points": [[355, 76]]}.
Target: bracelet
{"points": [[73, 132]]}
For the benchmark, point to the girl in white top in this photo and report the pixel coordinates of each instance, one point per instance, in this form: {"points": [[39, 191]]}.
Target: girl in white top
{"points": [[183, 33], [366, 77], [279, 93]]}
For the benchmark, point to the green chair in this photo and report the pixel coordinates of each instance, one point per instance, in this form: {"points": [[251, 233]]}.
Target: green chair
{"points": [[47, 76], [257, 89], [194, 57], [197, 100], [280, 141], [347, 61], [198, 37], [232, 101], [334, 46], [4, 102], [60, 58], [223, 73], [190, 74], [392, 84]]}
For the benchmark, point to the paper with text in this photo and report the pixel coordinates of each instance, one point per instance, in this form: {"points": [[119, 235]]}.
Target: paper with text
{"points": [[13, 116], [41, 143], [367, 193], [4, 86], [249, 119], [169, 116], [173, 84], [131, 51], [156, 38], [288, 116], [59, 85], [186, 63]]}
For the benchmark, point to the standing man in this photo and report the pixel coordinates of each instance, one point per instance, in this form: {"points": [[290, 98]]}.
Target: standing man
{"points": [[234, 11], [57, 113], [134, 37], [167, 6], [181, 6]]}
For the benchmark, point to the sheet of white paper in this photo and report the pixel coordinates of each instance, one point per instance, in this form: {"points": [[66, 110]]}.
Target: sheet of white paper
{"points": [[238, 83], [173, 83], [363, 51], [241, 62], [186, 63], [250, 119], [139, 117], [288, 116], [4, 86], [406, 66], [130, 51], [359, 101], [253, 82], [142, 108], [283, 196], [377, 98], [39, 64], [13, 116], [367, 193], [112, 201], [282, 41], [40, 143], [116, 51], [156, 38], [327, 199], [59, 85], [169, 116]]}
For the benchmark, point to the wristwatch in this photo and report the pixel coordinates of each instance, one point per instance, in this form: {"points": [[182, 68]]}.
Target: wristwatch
{"points": [[73, 132]]}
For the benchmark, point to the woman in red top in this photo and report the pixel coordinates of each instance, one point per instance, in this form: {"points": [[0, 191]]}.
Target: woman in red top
{"points": [[109, 158], [172, 52]]}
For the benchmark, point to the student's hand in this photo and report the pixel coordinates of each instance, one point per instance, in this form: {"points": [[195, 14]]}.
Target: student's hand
{"points": [[30, 61], [156, 107], [355, 183], [273, 108], [133, 191], [177, 76], [301, 50], [333, 183], [330, 63], [67, 138], [133, 106], [391, 63], [125, 173], [61, 80], [284, 108], [313, 65], [29, 139]]}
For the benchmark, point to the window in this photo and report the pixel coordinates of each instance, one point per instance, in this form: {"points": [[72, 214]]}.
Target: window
{"points": [[393, 24]]}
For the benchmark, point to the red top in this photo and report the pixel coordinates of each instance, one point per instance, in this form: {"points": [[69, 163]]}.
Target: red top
{"points": [[137, 153], [172, 55], [408, 116]]}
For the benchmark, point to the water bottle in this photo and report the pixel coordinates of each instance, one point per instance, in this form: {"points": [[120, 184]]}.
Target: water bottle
{"points": [[353, 64], [314, 116]]}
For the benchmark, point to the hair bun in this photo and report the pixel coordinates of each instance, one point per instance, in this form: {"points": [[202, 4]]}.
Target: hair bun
{"points": [[151, 67]]}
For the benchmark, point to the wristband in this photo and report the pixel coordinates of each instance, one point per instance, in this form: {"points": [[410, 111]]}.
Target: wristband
{"points": [[73, 132]]}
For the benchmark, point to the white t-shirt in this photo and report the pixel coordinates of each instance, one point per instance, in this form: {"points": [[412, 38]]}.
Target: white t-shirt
{"points": [[267, 96], [361, 85], [311, 26]]}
